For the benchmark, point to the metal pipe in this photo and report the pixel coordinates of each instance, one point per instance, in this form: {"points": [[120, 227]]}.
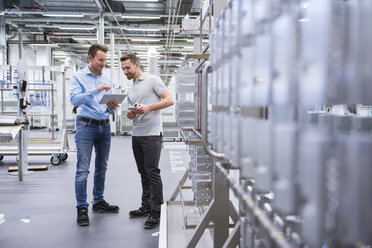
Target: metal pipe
{"points": [[21, 12], [20, 154], [119, 63], [101, 35], [52, 116], [197, 133], [112, 44], [51, 20], [11, 36], [3, 38], [20, 43], [183, 208], [64, 98], [204, 114], [168, 28]]}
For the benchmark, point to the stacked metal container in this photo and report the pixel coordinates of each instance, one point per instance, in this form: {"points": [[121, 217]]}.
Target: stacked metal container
{"points": [[200, 173], [200, 165], [185, 90]]}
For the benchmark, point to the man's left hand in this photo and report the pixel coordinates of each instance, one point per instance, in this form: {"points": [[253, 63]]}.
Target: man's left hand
{"points": [[112, 105], [142, 109]]}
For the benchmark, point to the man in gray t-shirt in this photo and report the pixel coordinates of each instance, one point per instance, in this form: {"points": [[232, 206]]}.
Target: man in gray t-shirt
{"points": [[147, 96]]}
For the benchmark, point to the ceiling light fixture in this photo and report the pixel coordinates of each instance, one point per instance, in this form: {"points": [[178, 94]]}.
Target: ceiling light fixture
{"points": [[193, 40], [140, 0], [76, 28], [144, 39], [45, 45], [40, 26], [147, 46], [63, 15], [139, 17], [85, 38], [143, 29]]}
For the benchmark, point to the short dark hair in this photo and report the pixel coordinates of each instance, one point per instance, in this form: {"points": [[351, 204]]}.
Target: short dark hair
{"points": [[133, 58], [95, 47]]}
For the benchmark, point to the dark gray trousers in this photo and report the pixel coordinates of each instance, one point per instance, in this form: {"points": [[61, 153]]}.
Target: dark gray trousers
{"points": [[146, 150]]}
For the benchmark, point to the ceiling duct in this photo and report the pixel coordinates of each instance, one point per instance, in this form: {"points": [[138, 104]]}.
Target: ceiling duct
{"points": [[22, 4], [115, 5]]}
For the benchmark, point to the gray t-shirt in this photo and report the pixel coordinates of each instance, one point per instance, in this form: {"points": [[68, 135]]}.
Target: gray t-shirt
{"points": [[146, 90]]}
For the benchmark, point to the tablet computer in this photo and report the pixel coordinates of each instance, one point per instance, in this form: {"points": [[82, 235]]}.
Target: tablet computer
{"points": [[119, 98]]}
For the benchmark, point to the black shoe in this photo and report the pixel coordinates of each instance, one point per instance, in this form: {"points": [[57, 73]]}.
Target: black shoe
{"points": [[82, 216], [141, 212], [153, 220], [104, 207]]}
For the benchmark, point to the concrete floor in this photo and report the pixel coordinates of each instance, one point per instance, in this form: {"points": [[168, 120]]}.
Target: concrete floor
{"points": [[40, 211]]}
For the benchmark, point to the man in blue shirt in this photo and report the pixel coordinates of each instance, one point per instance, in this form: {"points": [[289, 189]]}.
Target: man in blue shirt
{"points": [[87, 87]]}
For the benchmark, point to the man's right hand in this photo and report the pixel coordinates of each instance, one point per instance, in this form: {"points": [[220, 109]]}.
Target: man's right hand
{"points": [[131, 114], [103, 86]]}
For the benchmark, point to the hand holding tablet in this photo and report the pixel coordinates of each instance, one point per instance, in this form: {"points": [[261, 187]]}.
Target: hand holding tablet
{"points": [[119, 98]]}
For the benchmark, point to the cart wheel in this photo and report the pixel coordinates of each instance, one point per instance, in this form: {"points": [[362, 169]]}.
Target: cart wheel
{"points": [[1, 158], [55, 160], [64, 156]]}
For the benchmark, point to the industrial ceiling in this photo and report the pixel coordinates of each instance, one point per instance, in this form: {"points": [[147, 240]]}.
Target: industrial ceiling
{"points": [[70, 26]]}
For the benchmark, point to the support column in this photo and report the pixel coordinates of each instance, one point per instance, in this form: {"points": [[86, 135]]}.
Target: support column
{"points": [[101, 31], [64, 100], [2, 36], [221, 209], [198, 76], [20, 43], [112, 46], [119, 64]]}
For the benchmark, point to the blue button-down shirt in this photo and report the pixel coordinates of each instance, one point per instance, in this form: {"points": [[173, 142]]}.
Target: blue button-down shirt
{"points": [[85, 95]]}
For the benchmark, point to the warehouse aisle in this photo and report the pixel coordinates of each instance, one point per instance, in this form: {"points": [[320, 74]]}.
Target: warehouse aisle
{"points": [[40, 211]]}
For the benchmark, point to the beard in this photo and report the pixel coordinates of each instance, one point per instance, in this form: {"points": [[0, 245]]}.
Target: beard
{"points": [[129, 76]]}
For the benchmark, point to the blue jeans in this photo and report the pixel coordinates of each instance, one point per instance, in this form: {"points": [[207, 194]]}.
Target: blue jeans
{"points": [[87, 136]]}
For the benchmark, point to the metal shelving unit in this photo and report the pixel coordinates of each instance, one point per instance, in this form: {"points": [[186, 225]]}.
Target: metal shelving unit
{"points": [[41, 146], [267, 102]]}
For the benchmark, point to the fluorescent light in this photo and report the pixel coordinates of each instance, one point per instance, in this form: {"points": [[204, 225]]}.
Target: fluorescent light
{"points": [[59, 53], [41, 26], [143, 39], [45, 44], [139, 17], [63, 15], [193, 40], [140, 0], [1, 13], [142, 29], [77, 27], [147, 46], [85, 38]]}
